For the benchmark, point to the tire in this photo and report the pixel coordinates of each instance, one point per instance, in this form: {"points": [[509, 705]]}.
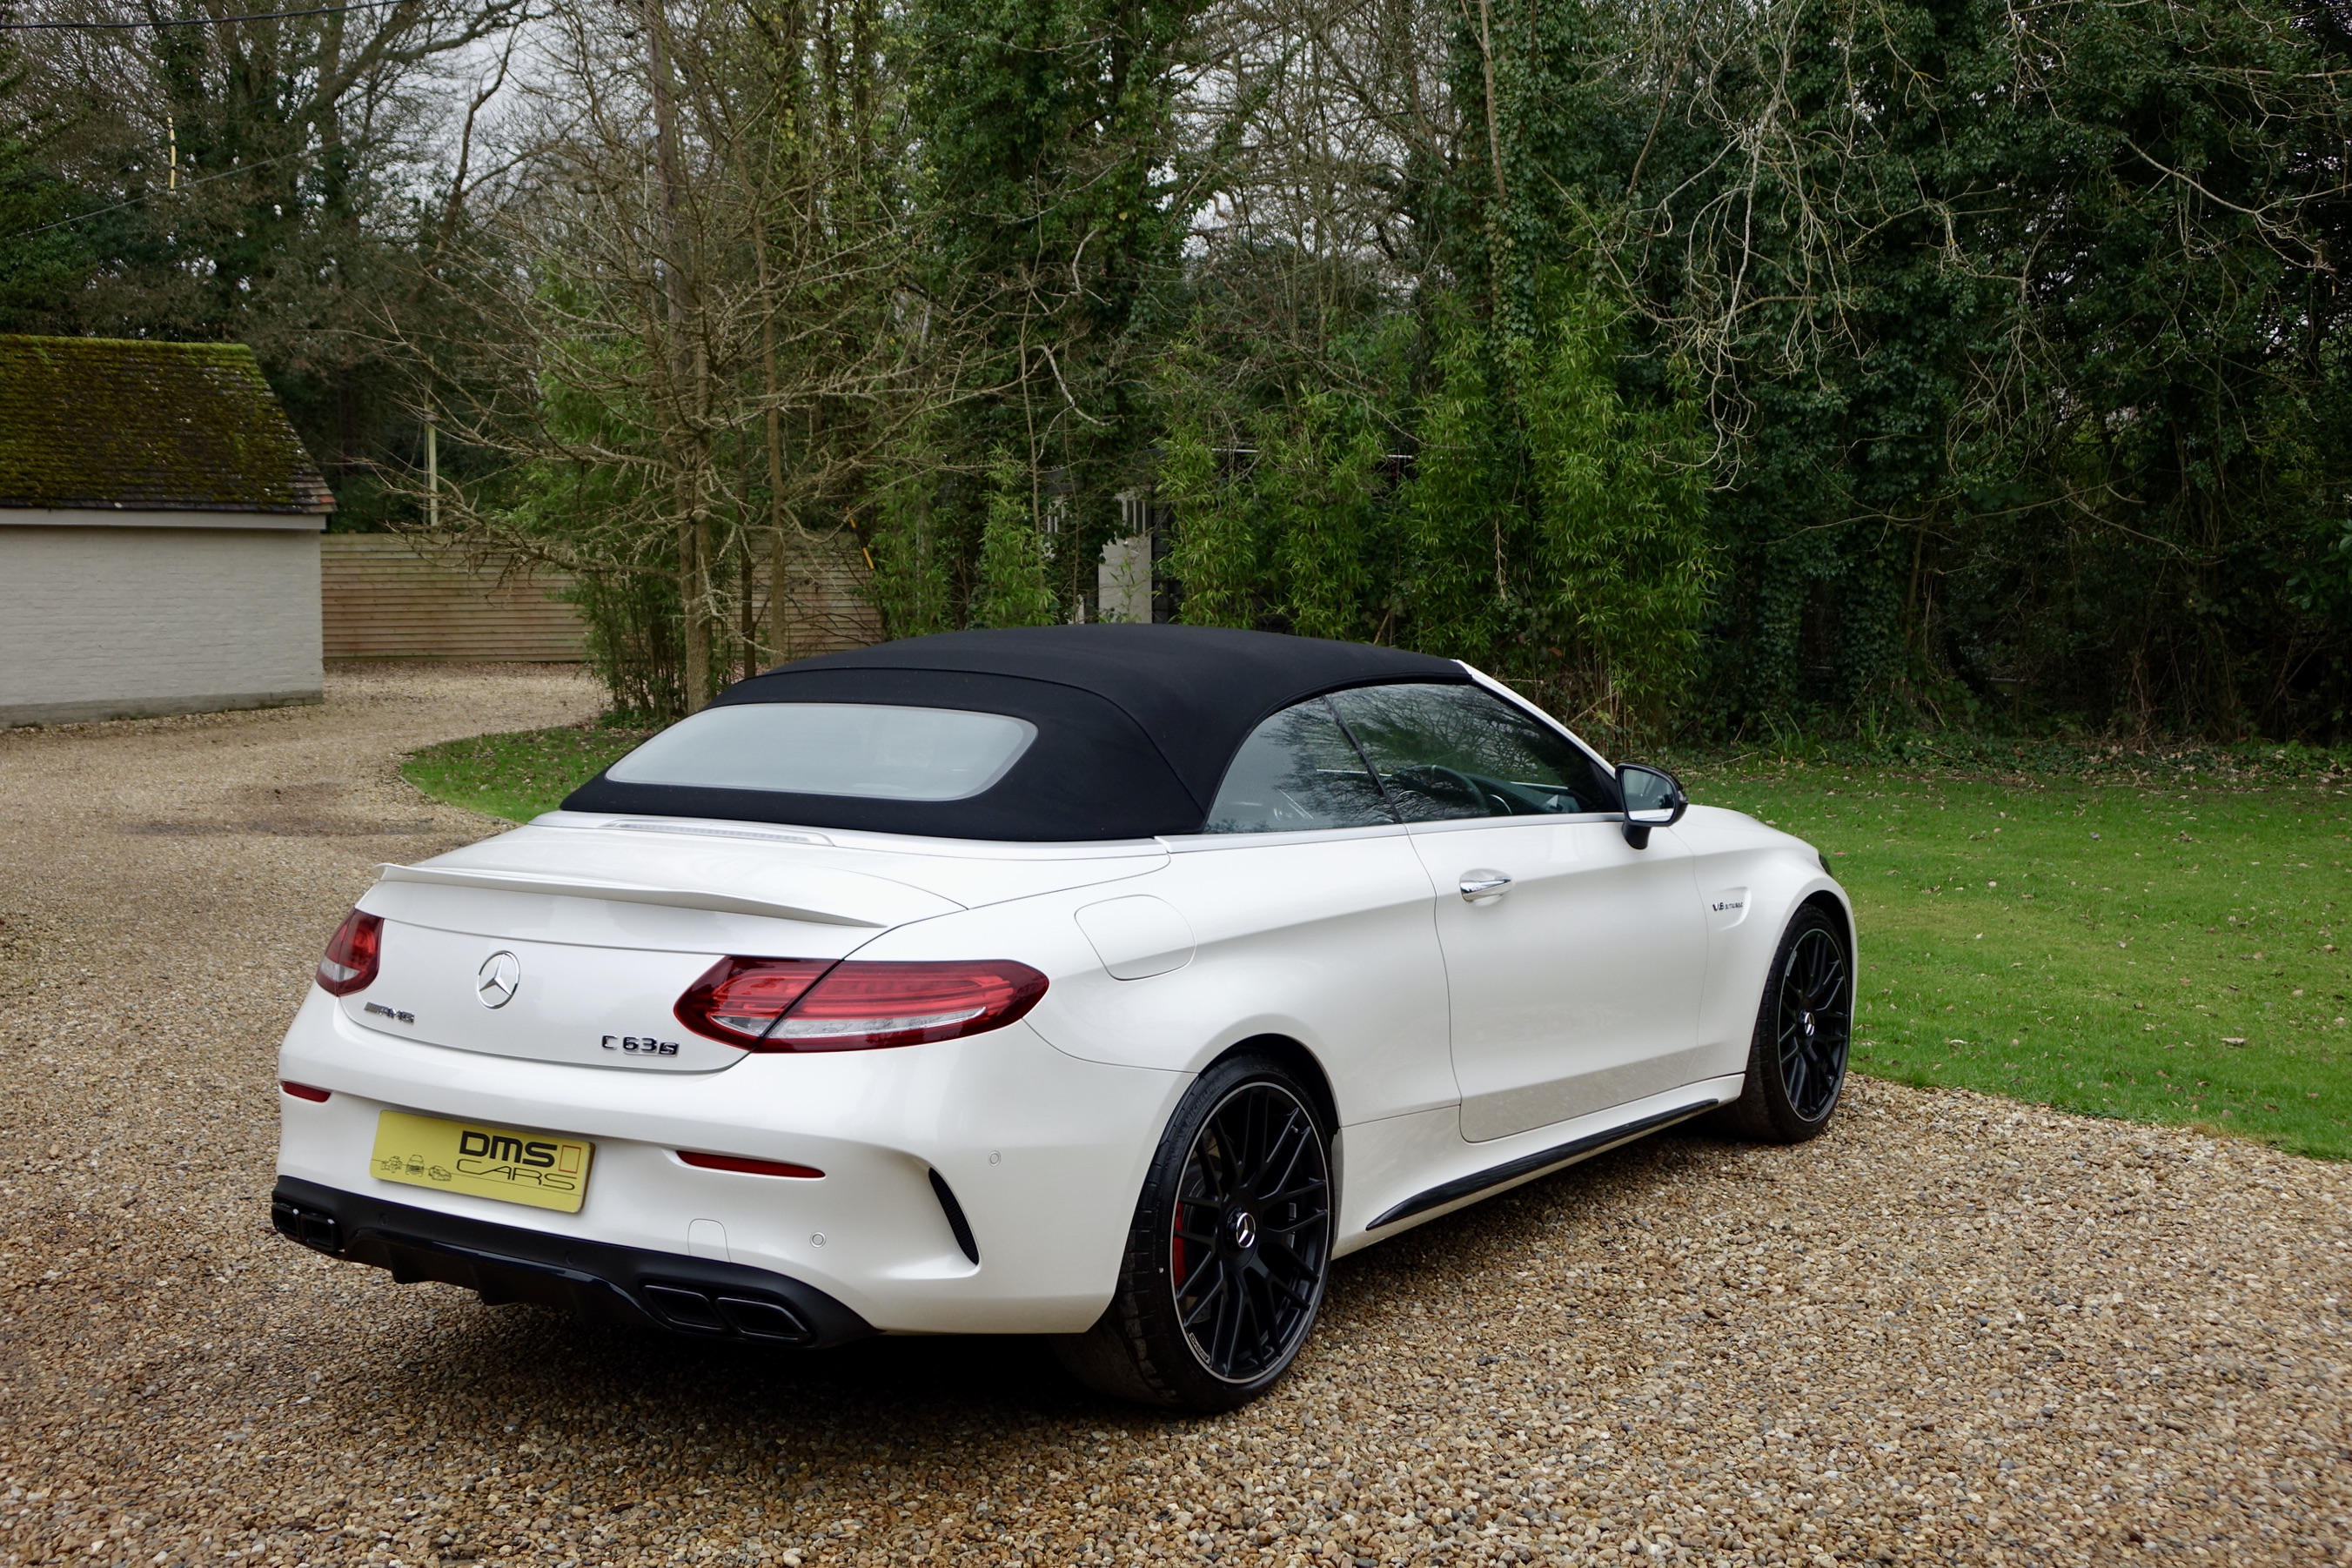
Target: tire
{"points": [[1804, 1030], [1217, 1293]]}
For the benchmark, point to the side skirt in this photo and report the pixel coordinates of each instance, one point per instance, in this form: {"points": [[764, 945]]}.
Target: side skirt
{"points": [[1478, 1182]]}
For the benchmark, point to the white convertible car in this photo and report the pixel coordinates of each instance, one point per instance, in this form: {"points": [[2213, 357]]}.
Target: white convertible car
{"points": [[1098, 982]]}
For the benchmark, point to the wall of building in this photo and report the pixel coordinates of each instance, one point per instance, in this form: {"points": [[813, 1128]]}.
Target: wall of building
{"points": [[123, 614], [118, 615]]}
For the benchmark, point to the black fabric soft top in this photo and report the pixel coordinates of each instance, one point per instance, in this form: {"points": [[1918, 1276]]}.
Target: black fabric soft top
{"points": [[1135, 725]]}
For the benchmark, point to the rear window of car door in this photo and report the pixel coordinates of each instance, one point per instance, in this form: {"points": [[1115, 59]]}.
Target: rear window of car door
{"points": [[1297, 771], [1447, 751]]}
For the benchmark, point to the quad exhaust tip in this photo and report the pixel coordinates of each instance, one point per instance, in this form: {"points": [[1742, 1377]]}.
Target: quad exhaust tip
{"points": [[313, 1229], [710, 1312]]}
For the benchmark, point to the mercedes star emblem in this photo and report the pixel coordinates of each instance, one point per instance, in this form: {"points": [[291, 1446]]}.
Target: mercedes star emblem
{"points": [[496, 980]]}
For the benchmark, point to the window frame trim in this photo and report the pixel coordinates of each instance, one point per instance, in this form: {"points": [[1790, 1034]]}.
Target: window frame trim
{"points": [[1546, 819], [1194, 843]]}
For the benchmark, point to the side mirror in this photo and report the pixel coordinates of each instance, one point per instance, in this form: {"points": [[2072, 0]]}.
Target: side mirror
{"points": [[1653, 797]]}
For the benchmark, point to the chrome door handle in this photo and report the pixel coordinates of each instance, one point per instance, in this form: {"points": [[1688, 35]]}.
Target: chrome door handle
{"points": [[1479, 886]]}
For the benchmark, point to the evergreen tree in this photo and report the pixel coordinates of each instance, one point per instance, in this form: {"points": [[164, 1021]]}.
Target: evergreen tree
{"points": [[1013, 589]]}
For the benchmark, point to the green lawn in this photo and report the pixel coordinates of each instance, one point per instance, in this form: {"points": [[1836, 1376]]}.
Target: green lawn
{"points": [[517, 776], [2162, 954], [2124, 948]]}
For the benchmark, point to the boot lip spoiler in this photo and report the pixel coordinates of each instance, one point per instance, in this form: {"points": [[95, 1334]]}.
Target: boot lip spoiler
{"points": [[615, 892]]}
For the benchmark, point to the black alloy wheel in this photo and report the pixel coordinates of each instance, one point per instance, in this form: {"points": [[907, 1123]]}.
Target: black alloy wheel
{"points": [[1816, 1022], [1230, 1249], [1250, 1233], [1804, 1030]]}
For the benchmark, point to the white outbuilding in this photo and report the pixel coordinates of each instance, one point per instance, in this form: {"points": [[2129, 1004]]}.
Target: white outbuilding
{"points": [[159, 533]]}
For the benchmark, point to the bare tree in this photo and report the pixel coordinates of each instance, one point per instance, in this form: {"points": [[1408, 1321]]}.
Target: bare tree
{"points": [[235, 176], [687, 338]]}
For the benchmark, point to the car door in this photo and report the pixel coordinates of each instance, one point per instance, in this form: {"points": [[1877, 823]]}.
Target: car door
{"points": [[1574, 960], [1312, 901]]}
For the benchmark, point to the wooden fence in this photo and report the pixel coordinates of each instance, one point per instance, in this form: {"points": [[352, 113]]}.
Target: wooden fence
{"points": [[386, 595], [825, 602]]}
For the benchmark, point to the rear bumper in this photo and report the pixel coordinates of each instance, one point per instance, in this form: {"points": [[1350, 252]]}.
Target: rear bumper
{"points": [[1038, 1154], [694, 1296]]}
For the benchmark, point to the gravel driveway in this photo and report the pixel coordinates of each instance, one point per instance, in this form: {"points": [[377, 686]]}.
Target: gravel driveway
{"points": [[1955, 1329]]}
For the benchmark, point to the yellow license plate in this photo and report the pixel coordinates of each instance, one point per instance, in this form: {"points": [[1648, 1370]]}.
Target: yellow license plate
{"points": [[485, 1162]]}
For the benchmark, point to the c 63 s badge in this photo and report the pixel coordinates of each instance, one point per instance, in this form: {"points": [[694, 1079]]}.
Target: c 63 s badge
{"points": [[541, 1169], [640, 1045]]}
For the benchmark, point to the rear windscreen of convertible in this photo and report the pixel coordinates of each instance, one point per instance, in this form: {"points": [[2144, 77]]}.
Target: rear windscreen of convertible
{"points": [[832, 748]]}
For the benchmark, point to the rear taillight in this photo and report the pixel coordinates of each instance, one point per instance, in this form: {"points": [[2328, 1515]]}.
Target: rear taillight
{"points": [[860, 1006], [738, 1000], [351, 954], [810, 1005]]}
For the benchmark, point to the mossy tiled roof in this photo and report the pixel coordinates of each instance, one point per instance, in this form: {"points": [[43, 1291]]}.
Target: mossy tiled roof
{"points": [[135, 425]]}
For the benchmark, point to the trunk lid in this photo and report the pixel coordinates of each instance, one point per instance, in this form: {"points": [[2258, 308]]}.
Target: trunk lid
{"points": [[572, 940]]}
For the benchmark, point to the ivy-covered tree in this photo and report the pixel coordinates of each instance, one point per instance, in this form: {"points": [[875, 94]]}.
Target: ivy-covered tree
{"points": [[2005, 352], [1049, 217]]}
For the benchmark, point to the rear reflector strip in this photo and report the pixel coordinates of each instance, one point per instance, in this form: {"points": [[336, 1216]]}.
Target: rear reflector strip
{"points": [[304, 1091], [749, 1167]]}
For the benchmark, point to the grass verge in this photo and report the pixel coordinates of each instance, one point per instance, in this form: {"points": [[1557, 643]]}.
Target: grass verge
{"points": [[521, 774], [2107, 935]]}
